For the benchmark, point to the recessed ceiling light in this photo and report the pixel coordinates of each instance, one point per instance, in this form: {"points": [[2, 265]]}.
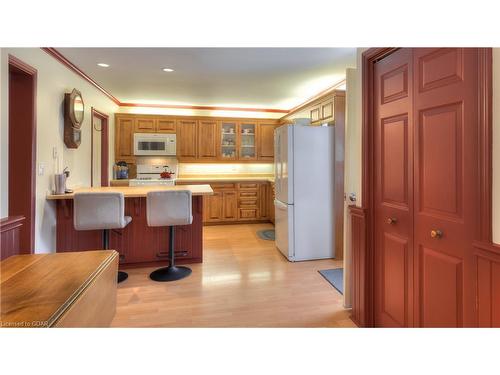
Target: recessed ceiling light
{"points": [[167, 70], [103, 65]]}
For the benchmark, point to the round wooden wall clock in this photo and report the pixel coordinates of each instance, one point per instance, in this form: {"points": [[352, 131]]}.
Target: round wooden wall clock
{"points": [[74, 109]]}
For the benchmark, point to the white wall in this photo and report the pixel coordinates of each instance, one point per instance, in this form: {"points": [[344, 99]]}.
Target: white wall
{"points": [[53, 81]]}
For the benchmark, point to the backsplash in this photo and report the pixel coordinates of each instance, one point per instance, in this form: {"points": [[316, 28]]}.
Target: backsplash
{"points": [[190, 169]]}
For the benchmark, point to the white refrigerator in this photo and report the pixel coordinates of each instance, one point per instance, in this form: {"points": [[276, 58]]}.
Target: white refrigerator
{"points": [[304, 186]]}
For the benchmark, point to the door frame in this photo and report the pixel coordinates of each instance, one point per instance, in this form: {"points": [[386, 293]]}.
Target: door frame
{"points": [[104, 146], [364, 277], [33, 73]]}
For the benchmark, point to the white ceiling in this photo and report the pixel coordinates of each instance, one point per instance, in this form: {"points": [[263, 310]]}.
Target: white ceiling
{"points": [[242, 77]]}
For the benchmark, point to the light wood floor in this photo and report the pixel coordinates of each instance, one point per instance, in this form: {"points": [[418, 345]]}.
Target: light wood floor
{"points": [[243, 282]]}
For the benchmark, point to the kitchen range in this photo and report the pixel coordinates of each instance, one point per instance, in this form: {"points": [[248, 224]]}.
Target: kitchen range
{"points": [[155, 174]]}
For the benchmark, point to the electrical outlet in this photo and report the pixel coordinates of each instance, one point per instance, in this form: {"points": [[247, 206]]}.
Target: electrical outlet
{"points": [[41, 168]]}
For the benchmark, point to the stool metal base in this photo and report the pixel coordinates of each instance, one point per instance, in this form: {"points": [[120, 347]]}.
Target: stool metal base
{"points": [[122, 276], [170, 273]]}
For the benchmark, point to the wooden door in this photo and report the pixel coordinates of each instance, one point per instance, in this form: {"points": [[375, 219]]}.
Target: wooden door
{"points": [[446, 192], [165, 125], [22, 151], [124, 139], [393, 192], [266, 142], [426, 187], [208, 140], [186, 139], [230, 206], [145, 125]]}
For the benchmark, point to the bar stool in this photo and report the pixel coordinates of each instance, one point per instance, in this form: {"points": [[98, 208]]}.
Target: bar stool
{"points": [[101, 211], [169, 208]]}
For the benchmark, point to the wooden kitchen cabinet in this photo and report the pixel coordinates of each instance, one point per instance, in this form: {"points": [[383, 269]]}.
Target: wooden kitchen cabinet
{"points": [[201, 139], [124, 139], [208, 140], [264, 191], [265, 148], [315, 113], [165, 125], [145, 125], [247, 141], [187, 131], [213, 207], [229, 141], [230, 206], [327, 110]]}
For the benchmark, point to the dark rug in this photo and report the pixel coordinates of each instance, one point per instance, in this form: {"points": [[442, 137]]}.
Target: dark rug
{"points": [[266, 234], [335, 277]]}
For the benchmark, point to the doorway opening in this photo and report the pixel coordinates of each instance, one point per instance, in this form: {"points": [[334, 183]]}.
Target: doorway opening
{"points": [[99, 149], [22, 149]]}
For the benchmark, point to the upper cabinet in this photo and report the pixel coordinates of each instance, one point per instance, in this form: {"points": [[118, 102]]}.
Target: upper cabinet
{"points": [[145, 125], [165, 125], [247, 134], [187, 140], [124, 139], [208, 140], [266, 142], [228, 140], [326, 108], [200, 139]]}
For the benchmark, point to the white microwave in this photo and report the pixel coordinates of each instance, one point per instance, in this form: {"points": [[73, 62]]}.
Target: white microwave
{"points": [[154, 144]]}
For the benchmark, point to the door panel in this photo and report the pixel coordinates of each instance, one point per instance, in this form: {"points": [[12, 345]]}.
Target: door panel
{"points": [[446, 193], [441, 298], [393, 191], [394, 149], [440, 150], [394, 285]]}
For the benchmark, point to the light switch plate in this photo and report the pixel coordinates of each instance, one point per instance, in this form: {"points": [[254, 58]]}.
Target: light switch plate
{"points": [[41, 168]]}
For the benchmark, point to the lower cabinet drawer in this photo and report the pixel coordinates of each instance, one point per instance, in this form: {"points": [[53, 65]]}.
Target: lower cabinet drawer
{"points": [[248, 213], [248, 203], [249, 194]]}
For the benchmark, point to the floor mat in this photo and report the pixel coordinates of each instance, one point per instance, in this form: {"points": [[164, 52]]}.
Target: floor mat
{"points": [[266, 234], [335, 277]]}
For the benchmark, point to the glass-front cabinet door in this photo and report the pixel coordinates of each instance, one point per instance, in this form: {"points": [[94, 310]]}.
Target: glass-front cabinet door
{"points": [[229, 141], [248, 150]]}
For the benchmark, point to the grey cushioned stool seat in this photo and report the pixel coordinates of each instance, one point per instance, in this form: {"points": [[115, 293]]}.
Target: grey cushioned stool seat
{"points": [[169, 208], [101, 211]]}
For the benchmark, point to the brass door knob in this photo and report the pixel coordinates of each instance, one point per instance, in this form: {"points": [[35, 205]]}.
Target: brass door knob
{"points": [[392, 220], [436, 233]]}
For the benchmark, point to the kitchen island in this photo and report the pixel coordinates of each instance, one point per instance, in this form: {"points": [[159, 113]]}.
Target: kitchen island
{"points": [[137, 244]]}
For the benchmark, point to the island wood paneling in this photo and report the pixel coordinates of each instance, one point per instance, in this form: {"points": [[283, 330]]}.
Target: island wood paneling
{"points": [[9, 236], [138, 244]]}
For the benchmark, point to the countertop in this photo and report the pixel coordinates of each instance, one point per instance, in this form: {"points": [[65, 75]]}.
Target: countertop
{"points": [[137, 191]]}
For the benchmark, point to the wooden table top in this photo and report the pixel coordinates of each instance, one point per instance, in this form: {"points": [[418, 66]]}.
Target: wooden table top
{"points": [[35, 290], [137, 191]]}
